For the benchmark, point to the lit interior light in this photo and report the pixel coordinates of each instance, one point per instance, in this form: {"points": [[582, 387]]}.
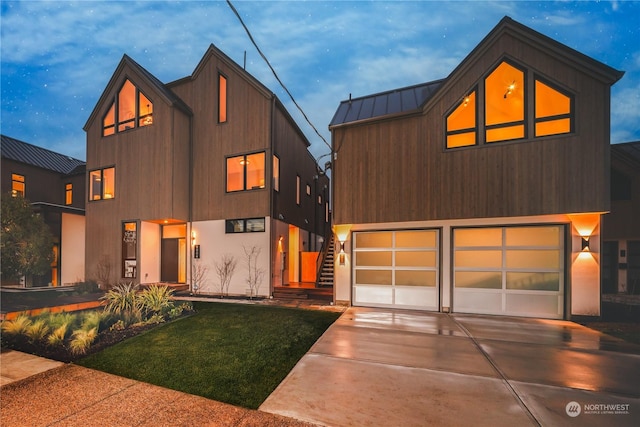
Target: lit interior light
{"points": [[466, 100], [510, 89]]}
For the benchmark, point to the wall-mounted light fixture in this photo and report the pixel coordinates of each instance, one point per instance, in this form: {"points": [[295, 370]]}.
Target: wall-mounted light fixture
{"points": [[193, 238], [585, 244], [342, 234]]}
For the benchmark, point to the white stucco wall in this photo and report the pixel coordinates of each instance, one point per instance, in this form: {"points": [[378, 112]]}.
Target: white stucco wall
{"points": [[149, 252], [583, 270], [214, 243], [72, 249]]}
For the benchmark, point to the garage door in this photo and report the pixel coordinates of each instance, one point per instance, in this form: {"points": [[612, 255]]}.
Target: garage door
{"points": [[516, 271], [396, 269]]}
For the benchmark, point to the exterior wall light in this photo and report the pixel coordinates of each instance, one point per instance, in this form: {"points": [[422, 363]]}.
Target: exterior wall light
{"points": [[193, 238], [342, 234], [585, 244]]}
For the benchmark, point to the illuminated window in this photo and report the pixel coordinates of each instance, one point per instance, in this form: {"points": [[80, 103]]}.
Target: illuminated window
{"points": [[276, 173], [505, 116], [129, 249], [68, 194], [222, 98], [461, 123], [245, 172], [130, 109], [308, 190], [504, 104], [553, 110], [248, 225], [17, 185], [102, 184], [298, 189]]}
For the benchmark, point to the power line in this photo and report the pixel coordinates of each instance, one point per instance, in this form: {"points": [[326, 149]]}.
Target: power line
{"points": [[276, 74]]}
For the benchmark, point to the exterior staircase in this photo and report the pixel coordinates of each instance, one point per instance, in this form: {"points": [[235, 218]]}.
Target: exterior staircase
{"points": [[325, 275]]}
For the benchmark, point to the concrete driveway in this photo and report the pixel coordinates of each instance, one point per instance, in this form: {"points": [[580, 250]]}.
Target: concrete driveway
{"points": [[377, 367]]}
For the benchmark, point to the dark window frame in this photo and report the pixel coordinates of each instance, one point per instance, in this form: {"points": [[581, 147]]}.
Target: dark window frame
{"points": [[14, 181], [68, 193], [102, 187], [229, 225], [138, 115], [221, 119], [244, 175]]}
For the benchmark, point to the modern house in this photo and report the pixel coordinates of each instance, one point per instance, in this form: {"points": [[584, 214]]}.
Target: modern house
{"points": [[621, 227], [182, 174], [54, 184], [482, 192]]}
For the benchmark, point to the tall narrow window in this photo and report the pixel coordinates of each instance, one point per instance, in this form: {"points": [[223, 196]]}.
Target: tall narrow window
{"points": [[127, 106], [461, 123], [505, 104], [129, 249], [298, 189], [17, 185], [276, 173], [246, 172], [102, 184], [222, 98], [553, 110], [68, 194], [130, 109]]}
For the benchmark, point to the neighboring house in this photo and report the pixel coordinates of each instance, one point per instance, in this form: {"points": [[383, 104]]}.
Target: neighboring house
{"points": [[481, 192], [55, 186], [621, 226], [183, 173]]}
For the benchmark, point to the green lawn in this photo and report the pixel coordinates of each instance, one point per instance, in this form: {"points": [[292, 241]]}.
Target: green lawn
{"points": [[233, 353]]}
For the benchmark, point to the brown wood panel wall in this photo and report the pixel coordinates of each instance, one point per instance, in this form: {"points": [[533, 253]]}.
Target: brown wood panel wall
{"points": [[399, 170]]}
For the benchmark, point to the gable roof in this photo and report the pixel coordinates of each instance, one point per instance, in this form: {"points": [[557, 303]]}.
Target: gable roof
{"points": [[627, 153], [19, 151], [392, 103], [160, 88]]}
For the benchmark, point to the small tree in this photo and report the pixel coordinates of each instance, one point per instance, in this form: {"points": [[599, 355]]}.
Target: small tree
{"points": [[256, 274], [224, 270], [199, 276], [26, 243], [103, 271]]}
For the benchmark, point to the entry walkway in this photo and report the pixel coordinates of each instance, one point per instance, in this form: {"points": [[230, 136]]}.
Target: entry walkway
{"points": [[390, 367]]}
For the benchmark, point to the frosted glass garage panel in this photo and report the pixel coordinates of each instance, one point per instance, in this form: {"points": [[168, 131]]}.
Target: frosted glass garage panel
{"points": [[477, 237], [415, 278], [364, 259], [533, 236], [373, 295], [417, 297], [478, 259], [478, 279], [537, 259], [373, 240], [416, 239], [533, 281], [534, 305], [416, 259], [469, 301], [373, 277]]}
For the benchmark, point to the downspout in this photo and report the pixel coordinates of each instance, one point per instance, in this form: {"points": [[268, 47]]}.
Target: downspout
{"points": [[190, 203], [272, 260]]}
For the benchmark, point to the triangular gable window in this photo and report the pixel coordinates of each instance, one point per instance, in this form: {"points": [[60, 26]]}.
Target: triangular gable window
{"points": [[130, 109], [504, 95]]}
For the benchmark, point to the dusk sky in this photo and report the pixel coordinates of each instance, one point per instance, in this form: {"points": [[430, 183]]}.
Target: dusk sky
{"points": [[58, 56]]}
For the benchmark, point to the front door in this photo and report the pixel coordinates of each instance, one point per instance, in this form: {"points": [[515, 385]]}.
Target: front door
{"points": [[169, 260]]}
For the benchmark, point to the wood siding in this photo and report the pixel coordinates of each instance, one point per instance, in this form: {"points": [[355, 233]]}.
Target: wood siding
{"points": [[247, 130], [399, 170], [295, 160]]}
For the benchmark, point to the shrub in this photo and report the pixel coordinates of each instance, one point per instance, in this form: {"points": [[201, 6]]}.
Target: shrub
{"points": [[58, 335], [17, 326], [88, 287], [55, 320], [94, 319], [156, 300], [123, 300], [82, 339], [37, 330]]}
